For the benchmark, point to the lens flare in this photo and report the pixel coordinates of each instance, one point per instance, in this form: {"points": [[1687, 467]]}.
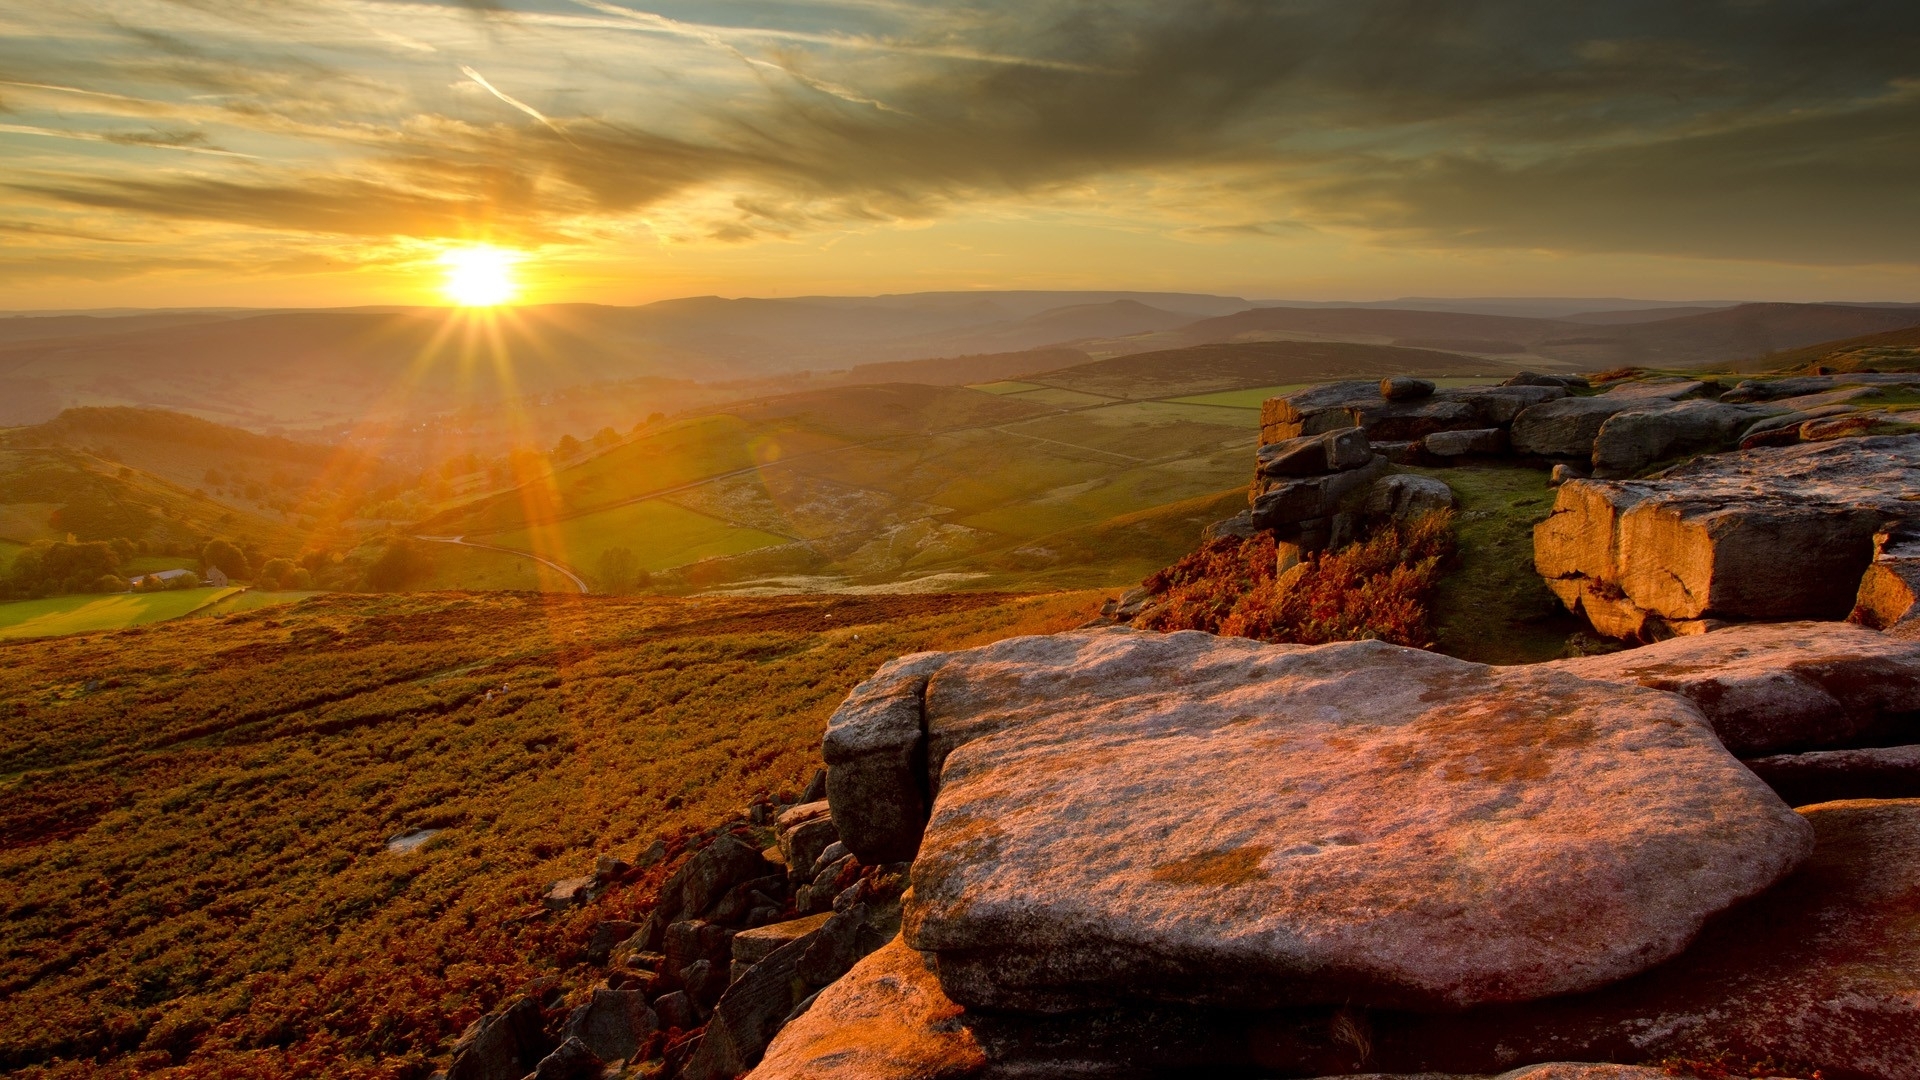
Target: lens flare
{"points": [[480, 276]]}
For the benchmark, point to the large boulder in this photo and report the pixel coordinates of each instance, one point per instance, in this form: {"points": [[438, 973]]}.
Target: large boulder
{"points": [[1418, 830], [1632, 440], [503, 1045], [1773, 533], [1282, 504], [1312, 455], [875, 776], [1567, 426], [1820, 973], [1774, 687], [613, 1024], [1873, 772]]}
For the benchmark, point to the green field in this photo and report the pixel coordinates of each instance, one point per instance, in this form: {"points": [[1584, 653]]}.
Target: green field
{"points": [[660, 535], [252, 600], [1061, 399], [453, 566], [60, 615], [1007, 387]]}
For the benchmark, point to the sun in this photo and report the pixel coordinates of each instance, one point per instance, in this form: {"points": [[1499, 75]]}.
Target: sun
{"points": [[480, 276]]}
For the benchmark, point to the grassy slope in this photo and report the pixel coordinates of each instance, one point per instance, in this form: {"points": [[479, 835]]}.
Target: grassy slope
{"points": [[192, 815], [88, 613], [1492, 606], [660, 535], [100, 500]]}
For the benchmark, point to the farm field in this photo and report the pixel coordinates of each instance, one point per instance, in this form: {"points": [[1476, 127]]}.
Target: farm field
{"points": [[88, 613], [659, 533], [453, 567], [193, 815]]}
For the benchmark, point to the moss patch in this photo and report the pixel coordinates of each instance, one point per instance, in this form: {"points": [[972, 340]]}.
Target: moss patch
{"points": [[1492, 606]]}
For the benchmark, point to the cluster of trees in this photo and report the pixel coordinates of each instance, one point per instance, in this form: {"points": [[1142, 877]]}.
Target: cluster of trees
{"points": [[620, 571], [60, 568]]}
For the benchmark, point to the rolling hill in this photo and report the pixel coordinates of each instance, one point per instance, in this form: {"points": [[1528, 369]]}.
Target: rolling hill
{"points": [[998, 485]]}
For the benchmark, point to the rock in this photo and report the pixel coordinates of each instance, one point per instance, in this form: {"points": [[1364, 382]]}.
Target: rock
{"points": [[503, 1045], [1406, 495], [675, 1012], [848, 936], [1563, 472], [834, 853], [705, 981], [1097, 834], [887, 1020], [1461, 443], [1632, 440], [1313, 455], [1779, 533], [1768, 688], [1879, 772], [571, 892], [1565, 427], [611, 867], [1889, 594], [570, 1061], [693, 941], [1844, 396], [1656, 389], [1855, 425], [1822, 971], [1312, 498], [608, 933], [1239, 525], [1405, 388], [1398, 453], [613, 1024], [875, 780], [753, 946], [1332, 406], [816, 788], [1794, 419]]}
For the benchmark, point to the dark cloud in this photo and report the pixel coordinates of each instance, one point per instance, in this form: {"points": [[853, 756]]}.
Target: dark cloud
{"points": [[1758, 129]]}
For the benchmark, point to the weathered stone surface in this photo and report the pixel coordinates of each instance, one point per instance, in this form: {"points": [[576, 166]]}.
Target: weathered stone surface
{"points": [[1312, 455], [1822, 972], [607, 934], [571, 1060], [505, 1045], [1563, 472], [613, 1024], [1630, 441], [1656, 389], [1312, 497], [1239, 525], [1802, 385], [571, 892], [1878, 772], [887, 1020], [1330, 406], [1773, 687], [1776, 533], [1405, 388], [1406, 495], [1889, 595], [1461, 443], [1566, 427], [753, 946], [873, 750], [1097, 832], [1534, 378]]}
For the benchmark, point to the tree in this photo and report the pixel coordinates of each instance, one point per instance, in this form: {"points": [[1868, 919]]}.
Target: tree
{"points": [[226, 556], [618, 569], [567, 447], [398, 566], [278, 573], [605, 437]]}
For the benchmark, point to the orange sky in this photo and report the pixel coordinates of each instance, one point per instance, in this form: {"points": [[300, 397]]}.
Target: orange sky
{"points": [[328, 152]]}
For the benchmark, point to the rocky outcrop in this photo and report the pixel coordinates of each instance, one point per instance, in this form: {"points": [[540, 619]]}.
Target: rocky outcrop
{"points": [[1889, 594], [1780, 533], [1040, 885], [1629, 441], [1822, 972], [1408, 416], [1770, 688], [1875, 772]]}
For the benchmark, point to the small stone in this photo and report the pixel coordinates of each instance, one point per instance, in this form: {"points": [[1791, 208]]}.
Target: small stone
{"points": [[1563, 473], [570, 1061], [610, 867], [607, 934], [1476, 441], [753, 946], [706, 981], [833, 854], [614, 1024], [1405, 388], [655, 854], [571, 892], [676, 1012], [503, 1045]]}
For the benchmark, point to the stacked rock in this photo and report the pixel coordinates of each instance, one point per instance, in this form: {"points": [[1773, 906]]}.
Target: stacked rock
{"points": [[1436, 866], [1303, 488], [1410, 419]]}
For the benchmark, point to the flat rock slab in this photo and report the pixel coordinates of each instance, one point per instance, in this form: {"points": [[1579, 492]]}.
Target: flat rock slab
{"points": [[1874, 772], [1763, 534], [1122, 815], [1773, 687]]}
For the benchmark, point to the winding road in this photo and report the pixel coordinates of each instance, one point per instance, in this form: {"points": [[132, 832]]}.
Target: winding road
{"points": [[558, 568]]}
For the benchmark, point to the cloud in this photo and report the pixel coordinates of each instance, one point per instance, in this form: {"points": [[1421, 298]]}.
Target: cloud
{"points": [[1774, 130]]}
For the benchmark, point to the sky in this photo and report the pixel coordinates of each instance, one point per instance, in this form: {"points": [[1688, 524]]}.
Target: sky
{"points": [[329, 152]]}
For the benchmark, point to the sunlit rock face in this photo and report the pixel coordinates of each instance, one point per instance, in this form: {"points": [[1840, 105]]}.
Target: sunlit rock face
{"points": [[1184, 818], [1764, 534]]}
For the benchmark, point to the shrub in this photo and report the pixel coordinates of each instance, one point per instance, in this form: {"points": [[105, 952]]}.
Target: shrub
{"points": [[1379, 587]]}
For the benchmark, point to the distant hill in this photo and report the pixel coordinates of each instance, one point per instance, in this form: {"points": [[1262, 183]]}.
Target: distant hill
{"points": [[50, 493], [1893, 350], [1203, 369], [273, 482], [1715, 336]]}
